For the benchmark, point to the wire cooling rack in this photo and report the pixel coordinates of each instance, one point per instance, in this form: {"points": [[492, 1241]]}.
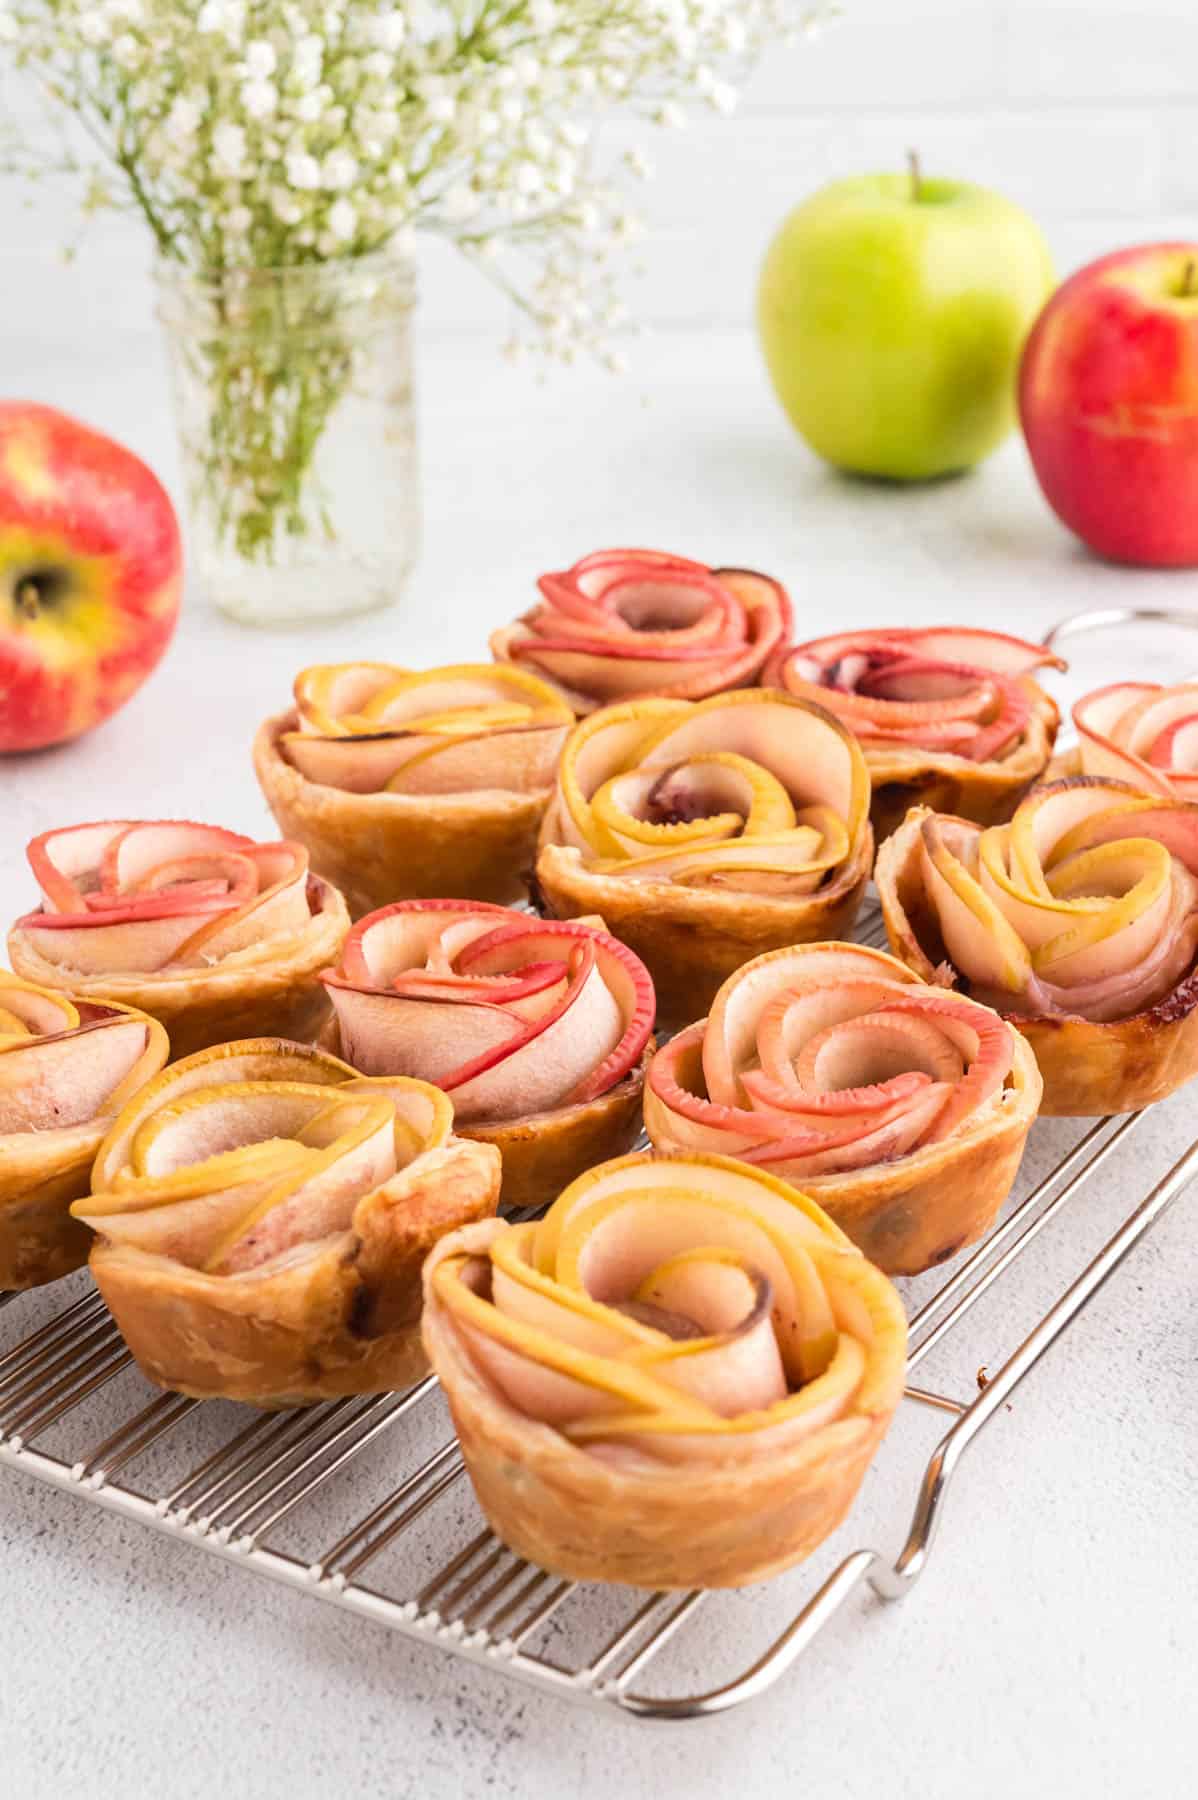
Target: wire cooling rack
{"points": [[362, 1502]]}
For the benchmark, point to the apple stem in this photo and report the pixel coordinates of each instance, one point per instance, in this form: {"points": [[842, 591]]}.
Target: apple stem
{"points": [[916, 175], [28, 599], [1187, 279]]}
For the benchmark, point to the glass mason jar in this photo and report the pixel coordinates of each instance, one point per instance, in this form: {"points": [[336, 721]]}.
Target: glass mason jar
{"points": [[296, 414]]}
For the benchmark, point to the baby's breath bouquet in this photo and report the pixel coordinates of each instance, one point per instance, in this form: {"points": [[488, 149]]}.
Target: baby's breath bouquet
{"points": [[273, 144]]}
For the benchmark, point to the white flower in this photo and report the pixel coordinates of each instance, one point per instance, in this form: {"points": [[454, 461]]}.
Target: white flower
{"points": [[259, 99], [313, 128], [183, 120], [127, 50], [228, 148], [226, 17], [339, 171], [260, 60], [307, 60], [303, 170], [389, 30], [343, 220]]}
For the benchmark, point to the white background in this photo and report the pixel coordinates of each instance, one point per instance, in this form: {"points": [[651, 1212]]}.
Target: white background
{"points": [[1051, 1647]]}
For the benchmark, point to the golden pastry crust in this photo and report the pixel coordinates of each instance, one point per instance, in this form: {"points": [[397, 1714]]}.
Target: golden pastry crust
{"points": [[1090, 1068], [543, 1153], [43, 1170], [271, 989], [724, 1519], [912, 1207], [381, 847], [270, 1305], [344, 1321], [691, 941], [39, 1240]]}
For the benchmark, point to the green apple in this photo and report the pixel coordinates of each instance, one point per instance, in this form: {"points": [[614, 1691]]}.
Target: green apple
{"points": [[892, 311]]}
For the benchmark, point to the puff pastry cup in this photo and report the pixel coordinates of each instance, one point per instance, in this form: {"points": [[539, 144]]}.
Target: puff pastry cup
{"points": [[66, 1067], [707, 832], [407, 784], [539, 1031], [902, 1109], [1078, 921], [947, 716], [212, 934], [675, 1379], [623, 623], [262, 1213], [1142, 733]]}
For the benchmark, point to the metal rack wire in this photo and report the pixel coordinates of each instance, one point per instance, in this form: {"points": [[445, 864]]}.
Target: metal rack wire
{"points": [[311, 1499]]}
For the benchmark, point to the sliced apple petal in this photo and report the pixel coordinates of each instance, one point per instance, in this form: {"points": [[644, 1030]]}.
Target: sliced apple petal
{"points": [[622, 624], [368, 728], [512, 1015]]}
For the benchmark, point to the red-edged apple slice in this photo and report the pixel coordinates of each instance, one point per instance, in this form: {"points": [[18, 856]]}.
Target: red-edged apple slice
{"points": [[408, 934], [965, 645], [1144, 734], [66, 861]]}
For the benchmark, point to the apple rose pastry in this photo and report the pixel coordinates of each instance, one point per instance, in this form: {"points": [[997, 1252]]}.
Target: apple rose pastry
{"points": [[1078, 921], [902, 1109], [1140, 732], [675, 1379], [67, 1066], [706, 832], [622, 623], [948, 716], [262, 1214], [537, 1030], [211, 933], [406, 783]]}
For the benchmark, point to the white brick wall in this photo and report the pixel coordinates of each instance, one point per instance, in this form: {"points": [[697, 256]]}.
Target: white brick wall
{"points": [[1084, 111]]}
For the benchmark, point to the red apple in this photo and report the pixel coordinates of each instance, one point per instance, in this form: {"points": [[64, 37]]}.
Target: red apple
{"points": [[1108, 396], [90, 576]]}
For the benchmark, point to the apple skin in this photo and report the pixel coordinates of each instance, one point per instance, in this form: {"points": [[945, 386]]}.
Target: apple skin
{"points": [[892, 324], [1108, 396], [91, 571]]}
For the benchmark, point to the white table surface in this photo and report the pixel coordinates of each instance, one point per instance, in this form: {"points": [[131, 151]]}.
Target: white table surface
{"points": [[1051, 1646]]}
